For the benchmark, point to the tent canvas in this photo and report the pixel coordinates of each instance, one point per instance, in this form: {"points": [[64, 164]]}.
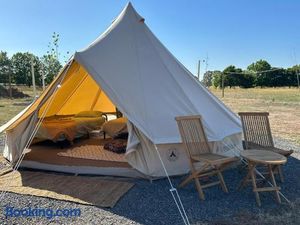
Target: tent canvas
{"points": [[129, 68]]}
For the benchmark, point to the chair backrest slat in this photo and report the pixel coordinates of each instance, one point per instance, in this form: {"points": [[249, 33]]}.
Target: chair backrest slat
{"points": [[193, 135], [256, 128]]}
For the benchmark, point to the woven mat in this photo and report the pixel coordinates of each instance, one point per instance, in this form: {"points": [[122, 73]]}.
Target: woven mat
{"points": [[85, 190], [94, 152]]}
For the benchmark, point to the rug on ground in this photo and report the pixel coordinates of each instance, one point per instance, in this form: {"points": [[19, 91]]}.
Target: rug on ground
{"points": [[80, 189], [94, 152]]}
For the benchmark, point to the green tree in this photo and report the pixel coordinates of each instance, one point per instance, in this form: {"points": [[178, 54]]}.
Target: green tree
{"points": [[207, 78], [53, 48], [296, 68], [5, 67], [232, 76], [293, 74], [51, 61], [262, 78], [258, 66], [278, 77], [50, 67], [247, 79], [21, 65], [217, 78]]}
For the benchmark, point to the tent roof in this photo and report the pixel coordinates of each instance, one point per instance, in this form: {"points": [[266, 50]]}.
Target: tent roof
{"points": [[148, 84]]}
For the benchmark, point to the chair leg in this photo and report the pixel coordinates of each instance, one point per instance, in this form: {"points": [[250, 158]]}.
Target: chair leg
{"points": [[222, 182], [274, 184], [186, 181], [280, 173], [242, 168], [253, 176], [245, 180], [199, 188], [278, 170]]}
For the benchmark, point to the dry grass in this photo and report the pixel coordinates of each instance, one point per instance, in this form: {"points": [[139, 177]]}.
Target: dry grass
{"points": [[11, 107], [282, 103]]}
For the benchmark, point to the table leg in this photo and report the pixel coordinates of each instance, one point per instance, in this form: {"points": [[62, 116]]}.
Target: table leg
{"points": [[280, 174], [253, 176], [266, 175], [244, 181], [274, 183]]}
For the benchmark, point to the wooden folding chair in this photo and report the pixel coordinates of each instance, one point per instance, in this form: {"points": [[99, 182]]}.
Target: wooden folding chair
{"points": [[258, 135], [199, 152]]}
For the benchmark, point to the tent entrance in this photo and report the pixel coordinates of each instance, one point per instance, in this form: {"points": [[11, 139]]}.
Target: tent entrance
{"points": [[74, 111]]}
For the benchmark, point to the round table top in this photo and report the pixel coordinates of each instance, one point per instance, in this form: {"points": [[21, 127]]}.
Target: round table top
{"points": [[263, 156]]}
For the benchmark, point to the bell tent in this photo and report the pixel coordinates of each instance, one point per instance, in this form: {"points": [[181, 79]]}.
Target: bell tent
{"points": [[126, 68]]}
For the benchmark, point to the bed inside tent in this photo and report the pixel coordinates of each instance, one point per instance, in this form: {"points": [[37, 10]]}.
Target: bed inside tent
{"points": [[81, 130]]}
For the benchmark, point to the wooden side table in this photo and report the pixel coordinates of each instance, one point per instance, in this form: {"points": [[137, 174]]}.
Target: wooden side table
{"points": [[272, 160]]}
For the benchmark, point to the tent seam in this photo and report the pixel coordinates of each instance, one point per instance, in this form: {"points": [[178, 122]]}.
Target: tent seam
{"points": [[139, 74]]}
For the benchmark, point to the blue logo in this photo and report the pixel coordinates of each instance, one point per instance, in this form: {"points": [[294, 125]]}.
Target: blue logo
{"points": [[48, 213]]}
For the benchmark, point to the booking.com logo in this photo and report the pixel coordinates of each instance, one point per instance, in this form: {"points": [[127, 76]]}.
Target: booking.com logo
{"points": [[41, 212]]}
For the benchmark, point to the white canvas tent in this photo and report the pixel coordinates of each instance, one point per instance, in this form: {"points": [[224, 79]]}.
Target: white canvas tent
{"points": [[136, 73]]}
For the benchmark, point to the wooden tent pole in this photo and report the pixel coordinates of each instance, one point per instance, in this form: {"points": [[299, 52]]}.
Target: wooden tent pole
{"points": [[33, 78]]}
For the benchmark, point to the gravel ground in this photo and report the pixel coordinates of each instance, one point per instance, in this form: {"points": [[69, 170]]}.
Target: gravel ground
{"points": [[151, 203]]}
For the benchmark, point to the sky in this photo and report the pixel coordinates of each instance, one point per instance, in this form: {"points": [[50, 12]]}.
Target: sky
{"points": [[227, 32]]}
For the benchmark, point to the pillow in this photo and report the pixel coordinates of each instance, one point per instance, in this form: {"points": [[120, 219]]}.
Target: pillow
{"points": [[89, 114], [115, 127]]}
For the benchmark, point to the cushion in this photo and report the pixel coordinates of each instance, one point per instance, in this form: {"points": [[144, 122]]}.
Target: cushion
{"points": [[116, 146], [89, 114], [115, 127]]}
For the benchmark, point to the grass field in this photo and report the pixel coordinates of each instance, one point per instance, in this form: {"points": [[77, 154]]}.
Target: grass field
{"points": [[282, 103], [11, 107]]}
